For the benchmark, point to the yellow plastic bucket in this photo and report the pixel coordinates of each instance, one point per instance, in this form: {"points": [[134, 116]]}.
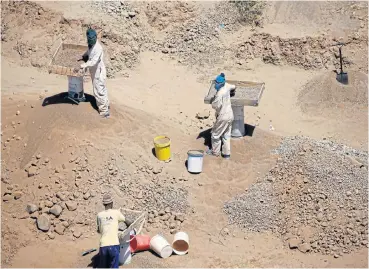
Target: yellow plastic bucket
{"points": [[162, 147]]}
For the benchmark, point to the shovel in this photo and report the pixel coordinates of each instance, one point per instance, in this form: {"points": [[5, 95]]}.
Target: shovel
{"points": [[341, 77]]}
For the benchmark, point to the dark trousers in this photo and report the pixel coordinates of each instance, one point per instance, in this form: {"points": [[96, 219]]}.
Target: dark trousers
{"points": [[109, 257]]}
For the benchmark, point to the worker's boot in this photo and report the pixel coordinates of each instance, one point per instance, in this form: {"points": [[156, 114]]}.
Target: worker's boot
{"points": [[227, 157], [211, 153], [105, 115]]}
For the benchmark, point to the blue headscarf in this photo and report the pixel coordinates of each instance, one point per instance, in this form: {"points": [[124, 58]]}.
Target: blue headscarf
{"points": [[91, 37], [219, 81]]}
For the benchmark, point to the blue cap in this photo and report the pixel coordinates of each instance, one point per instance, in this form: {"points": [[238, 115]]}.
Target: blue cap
{"points": [[220, 78]]}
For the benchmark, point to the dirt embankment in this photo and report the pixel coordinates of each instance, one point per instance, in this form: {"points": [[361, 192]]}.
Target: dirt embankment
{"points": [[194, 34], [31, 34], [308, 53]]}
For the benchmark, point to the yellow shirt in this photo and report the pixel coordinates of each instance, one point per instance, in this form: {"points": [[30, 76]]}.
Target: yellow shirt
{"points": [[107, 223]]}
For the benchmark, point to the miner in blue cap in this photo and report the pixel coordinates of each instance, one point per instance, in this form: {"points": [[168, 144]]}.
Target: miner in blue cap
{"points": [[94, 61], [222, 128]]}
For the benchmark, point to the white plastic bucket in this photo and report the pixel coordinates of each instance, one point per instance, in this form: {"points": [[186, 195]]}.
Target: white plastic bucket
{"points": [[161, 246], [181, 243], [75, 84], [125, 250], [125, 254], [238, 125], [195, 160]]}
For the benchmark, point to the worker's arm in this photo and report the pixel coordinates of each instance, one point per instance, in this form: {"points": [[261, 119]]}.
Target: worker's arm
{"points": [[94, 57], [232, 90], [216, 103], [121, 218], [232, 87]]}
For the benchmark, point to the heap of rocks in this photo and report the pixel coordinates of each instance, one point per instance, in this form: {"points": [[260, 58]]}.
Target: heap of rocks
{"points": [[200, 36], [306, 52], [318, 186], [115, 8], [148, 189], [309, 52]]}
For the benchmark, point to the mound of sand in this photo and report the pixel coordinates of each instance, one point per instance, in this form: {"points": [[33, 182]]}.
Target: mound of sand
{"points": [[325, 92]]}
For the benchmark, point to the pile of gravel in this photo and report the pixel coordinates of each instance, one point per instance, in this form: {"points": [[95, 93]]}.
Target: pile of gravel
{"points": [[148, 189], [318, 186], [197, 41], [255, 210], [114, 8]]}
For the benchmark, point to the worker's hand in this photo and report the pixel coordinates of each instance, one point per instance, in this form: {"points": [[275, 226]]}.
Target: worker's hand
{"points": [[85, 57], [83, 68], [233, 92]]}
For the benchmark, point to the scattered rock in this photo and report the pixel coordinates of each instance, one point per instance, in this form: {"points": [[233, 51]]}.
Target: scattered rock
{"points": [[61, 196], [132, 14], [293, 243], [7, 197], [18, 113], [77, 234], [24, 216], [49, 204], [203, 115], [59, 229], [31, 208], [71, 205], [157, 170], [43, 223], [304, 247], [86, 195], [32, 171], [56, 210], [180, 217], [51, 236]]}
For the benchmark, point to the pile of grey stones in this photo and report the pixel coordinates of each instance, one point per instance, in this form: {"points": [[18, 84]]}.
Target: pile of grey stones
{"points": [[319, 186]]}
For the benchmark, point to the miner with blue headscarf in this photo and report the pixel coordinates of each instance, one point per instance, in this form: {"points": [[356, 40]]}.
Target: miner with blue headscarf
{"points": [[94, 61], [222, 128]]}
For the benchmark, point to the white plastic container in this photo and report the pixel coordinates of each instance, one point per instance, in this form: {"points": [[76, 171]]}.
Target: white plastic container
{"points": [[195, 160], [161, 246], [75, 84], [238, 125], [181, 243], [125, 255]]}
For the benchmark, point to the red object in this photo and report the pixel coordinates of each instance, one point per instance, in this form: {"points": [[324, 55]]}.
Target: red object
{"points": [[139, 243]]}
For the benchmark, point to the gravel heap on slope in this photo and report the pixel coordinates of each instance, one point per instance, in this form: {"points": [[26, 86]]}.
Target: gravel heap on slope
{"points": [[318, 186]]}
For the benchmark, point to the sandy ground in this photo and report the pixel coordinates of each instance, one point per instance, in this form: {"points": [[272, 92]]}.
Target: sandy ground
{"points": [[161, 97], [133, 94]]}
